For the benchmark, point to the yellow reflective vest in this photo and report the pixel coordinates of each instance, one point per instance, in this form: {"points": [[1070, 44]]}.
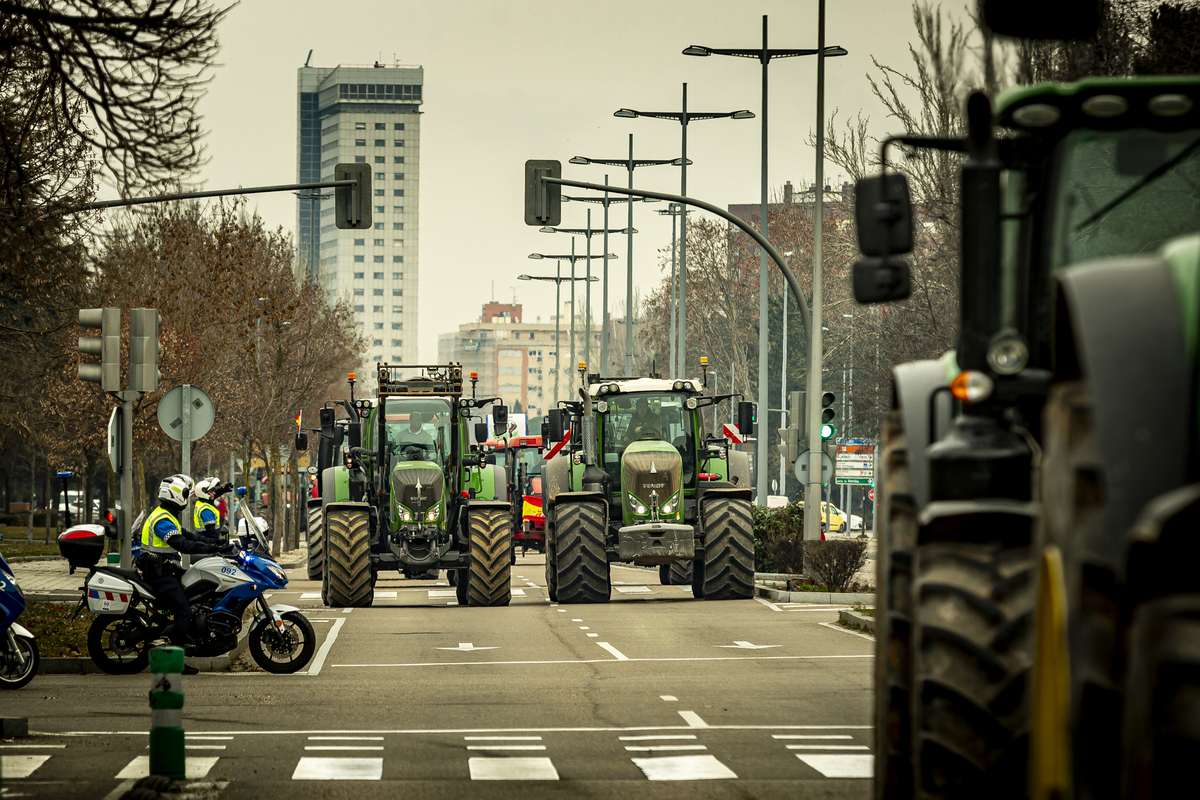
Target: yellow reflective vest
{"points": [[198, 523], [151, 543]]}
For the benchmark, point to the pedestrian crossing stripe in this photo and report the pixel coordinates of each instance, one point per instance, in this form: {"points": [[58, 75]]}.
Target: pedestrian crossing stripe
{"points": [[196, 767], [21, 766]]}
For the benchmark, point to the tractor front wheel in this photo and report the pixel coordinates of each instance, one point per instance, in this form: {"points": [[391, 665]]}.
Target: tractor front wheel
{"points": [[581, 562], [728, 569], [490, 574], [348, 551], [316, 545]]}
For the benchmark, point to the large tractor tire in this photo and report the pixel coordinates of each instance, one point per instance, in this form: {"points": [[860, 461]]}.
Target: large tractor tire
{"points": [[551, 571], [581, 561], [677, 573], [1162, 704], [973, 636], [895, 540], [728, 569], [1073, 521], [490, 575], [316, 544], [348, 553]]}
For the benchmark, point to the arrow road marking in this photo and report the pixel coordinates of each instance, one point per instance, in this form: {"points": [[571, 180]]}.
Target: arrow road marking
{"points": [[748, 646], [467, 647]]}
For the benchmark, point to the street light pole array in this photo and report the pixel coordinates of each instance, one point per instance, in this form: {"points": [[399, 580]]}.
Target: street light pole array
{"points": [[683, 117], [558, 281], [764, 55]]}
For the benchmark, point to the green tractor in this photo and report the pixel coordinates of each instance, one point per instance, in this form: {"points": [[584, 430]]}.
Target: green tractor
{"points": [[1038, 620], [635, 481], [412, 497]]}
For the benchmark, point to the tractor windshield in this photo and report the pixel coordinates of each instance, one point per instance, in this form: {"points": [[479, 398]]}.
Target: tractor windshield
{"points": [[417, 430], [1124, 192], [661, 417], [531, 459]]}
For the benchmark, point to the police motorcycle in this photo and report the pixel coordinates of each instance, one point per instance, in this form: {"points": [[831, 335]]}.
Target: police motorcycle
{"points": [[18, 650], [220, 589]]}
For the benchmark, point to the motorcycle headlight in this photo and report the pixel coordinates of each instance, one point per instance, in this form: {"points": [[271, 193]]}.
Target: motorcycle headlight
{"points": [[432, 514], [405, 514], [277, 573]]}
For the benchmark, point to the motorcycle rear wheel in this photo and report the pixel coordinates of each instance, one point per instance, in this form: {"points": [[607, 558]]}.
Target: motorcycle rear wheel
{"points": [[284, 650], [13, 676], [117, 657]]}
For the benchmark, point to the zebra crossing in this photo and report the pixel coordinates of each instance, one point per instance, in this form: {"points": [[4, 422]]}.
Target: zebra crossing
{"points": [[666, 756]]}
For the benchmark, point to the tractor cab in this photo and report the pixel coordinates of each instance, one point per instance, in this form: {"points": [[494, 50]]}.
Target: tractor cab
{"points": [[416, 439]]}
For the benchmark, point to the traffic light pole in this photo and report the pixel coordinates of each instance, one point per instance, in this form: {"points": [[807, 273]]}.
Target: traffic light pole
{"points": [[124, 517], [812, 492]]}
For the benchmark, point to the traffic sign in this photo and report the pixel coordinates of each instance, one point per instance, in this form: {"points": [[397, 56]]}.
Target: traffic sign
{"points": [[114, 440], [733, 434], [801, 468], [855, 463], [853, 481], [201, 413], [871, 495]]}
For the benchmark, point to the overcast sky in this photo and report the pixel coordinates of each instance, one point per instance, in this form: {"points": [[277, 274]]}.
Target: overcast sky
{"points": [[513, 80]]}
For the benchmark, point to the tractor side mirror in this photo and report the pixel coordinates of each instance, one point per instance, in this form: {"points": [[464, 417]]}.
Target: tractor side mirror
{"points": [[554, 426], [301, 441], [746, 417], [883, 215], [881, 280], [481, 432], [471, 461], [500, 419]]}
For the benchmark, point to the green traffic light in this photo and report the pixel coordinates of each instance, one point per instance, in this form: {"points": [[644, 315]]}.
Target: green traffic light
{"points": [[827, 431]]}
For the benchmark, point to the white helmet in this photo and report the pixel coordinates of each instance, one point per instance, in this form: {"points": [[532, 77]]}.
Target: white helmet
{"points": [[205, 487], [175, 489]]}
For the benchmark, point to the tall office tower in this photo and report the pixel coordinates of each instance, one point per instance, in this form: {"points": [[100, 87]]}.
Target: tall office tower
{"points": [[366, 115]]}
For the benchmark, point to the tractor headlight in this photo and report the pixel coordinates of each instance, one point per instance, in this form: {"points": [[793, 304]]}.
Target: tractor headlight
{"points": [[669, 508], [641, 509], [432, 514], [405, 514], [671, 505], [602, 407], [690, 403]]}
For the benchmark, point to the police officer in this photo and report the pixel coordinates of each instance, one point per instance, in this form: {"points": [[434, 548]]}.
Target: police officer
{"points": [[162, 541], [206, 519]]}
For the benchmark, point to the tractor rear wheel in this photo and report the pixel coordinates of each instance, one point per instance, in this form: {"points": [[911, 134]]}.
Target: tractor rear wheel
{"points": [[581, 561], [728, 570], [677, 573], [895, 540], [348, 549], [490, 574], [1073, 520], [316, 551], [973, 631]]}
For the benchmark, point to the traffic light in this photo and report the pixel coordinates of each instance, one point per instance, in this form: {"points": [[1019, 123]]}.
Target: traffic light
{"points": [[543, 201], [747, 417], [107, 345], [828, 415], [791, 436], [144, 349], [352, 204]]}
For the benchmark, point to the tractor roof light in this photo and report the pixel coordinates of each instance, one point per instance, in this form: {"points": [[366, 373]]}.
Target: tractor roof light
{"points": [[677, 386], [971, 387], [602, 406], [1169, 105], [1036, 115], [1104, 106], [1008, 355], [690, 403]]}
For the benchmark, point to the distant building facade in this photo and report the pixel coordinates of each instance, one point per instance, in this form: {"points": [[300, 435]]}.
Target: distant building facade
{"points": [[366, 115]]}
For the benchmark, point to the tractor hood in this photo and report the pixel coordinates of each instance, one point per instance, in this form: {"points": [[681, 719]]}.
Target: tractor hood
{"points": [[650, 478], [417, 485]]}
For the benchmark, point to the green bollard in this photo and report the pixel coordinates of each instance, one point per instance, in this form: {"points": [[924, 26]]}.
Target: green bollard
{"points": [[114, 558], [166, 713]]}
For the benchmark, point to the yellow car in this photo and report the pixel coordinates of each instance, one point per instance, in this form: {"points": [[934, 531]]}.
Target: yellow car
{"points": [[831, 517]]}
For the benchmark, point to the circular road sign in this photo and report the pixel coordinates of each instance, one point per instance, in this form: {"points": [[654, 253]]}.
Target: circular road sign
{"points": [[170, 413]]}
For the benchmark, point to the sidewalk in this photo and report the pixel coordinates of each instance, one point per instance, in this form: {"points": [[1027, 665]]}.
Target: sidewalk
{"points": [[51, 581]]}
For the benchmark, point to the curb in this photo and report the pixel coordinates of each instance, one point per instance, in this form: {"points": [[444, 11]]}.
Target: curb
{"points": [[85, 666], [817, 598], [53, 597], [858, 620], [23, 559]]}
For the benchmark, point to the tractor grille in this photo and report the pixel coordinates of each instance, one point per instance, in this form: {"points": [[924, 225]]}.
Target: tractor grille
{"points": [[405, 481], [655, 471]]}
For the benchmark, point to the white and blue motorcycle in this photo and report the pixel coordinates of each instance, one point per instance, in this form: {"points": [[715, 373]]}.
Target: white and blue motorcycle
{"points": [[220, 589], [18, 650]]}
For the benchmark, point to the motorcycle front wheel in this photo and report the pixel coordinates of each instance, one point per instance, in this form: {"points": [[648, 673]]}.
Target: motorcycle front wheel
{"points": [[14, 675], [285, 649], [119, 645]]}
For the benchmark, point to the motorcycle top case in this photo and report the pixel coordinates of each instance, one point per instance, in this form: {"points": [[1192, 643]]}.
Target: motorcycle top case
{"points": [[109, 594], [82, 545]]}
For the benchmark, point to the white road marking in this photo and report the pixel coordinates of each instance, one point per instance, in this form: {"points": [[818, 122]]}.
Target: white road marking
{"points": [[592, 661], [205, 746], [442, 593], [633, 589], [684, 768], [122, 787], [693, 719], [653, 748], [827, 747], [503, 738], [347, 611], [204, 737], [687, 589], [670, 698], [831, 626], [310, 596], [36, 746], [195, 768], [342, 747], [809, 736], [466, 647], [506, 747], [518, 592], [594, 635], [440, 731], [314, 666], [841, 766], [338, 769], [576, 620], [560, 610], [312, 619], [21, 766], [616, 653], [354, 738], [748, 646], [651, 738], [768, 604], [384, 594], [512, 769], [584, 628]]}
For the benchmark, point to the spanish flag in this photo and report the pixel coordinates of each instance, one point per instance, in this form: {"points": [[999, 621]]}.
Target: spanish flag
{"points": [[298, 415]]}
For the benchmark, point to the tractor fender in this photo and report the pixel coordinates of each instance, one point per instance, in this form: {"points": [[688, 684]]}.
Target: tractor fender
{"points": [[495, 482], [335, 484], [555, 480], [1118, 327], [739, 468], [914, 384], [475, 505]]}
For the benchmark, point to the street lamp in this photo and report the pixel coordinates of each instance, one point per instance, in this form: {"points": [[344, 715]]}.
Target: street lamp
{"points": [[589, 232], [630, 164], [764, 56], [558, 279], [683, 117], [675, 210], [783, 383]]}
